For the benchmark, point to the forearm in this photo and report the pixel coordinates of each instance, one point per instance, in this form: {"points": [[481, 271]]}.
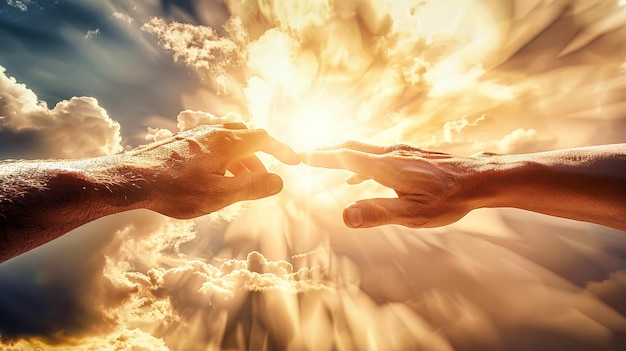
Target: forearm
{"points": [[587, 184], [42, 200]]}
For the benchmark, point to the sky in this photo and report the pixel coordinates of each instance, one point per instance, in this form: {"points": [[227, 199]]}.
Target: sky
{"points": [[89, 78]]}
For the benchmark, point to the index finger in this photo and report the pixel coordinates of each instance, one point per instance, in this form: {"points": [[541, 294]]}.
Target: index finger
{"points": [[253, 140], [356, 146], [366, 164], [379, 150]]}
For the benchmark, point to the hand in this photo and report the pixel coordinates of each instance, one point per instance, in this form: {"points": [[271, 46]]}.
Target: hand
{"points": [[187, 171], [433, 188]]}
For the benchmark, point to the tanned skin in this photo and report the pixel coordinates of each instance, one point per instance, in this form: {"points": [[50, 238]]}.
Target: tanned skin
{"points": [[436, 189], [183, 176]]}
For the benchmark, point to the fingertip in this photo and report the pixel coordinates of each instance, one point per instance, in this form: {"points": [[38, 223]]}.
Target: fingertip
{"points": [[285, 154], [292, 158], [353, 216], [274, 184], [288, 158], [304, 156]]}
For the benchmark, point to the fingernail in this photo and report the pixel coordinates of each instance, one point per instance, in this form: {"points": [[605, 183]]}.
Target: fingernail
{"points": [[354, 217], [274, 185]]}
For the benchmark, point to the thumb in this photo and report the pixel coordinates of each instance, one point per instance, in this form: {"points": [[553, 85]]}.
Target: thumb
{"points": [[374, 212], [251, 186]]}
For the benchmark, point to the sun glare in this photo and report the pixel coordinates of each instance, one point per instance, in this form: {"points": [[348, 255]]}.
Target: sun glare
{"points": [[314, 124], [309, 121], [285, 272]]}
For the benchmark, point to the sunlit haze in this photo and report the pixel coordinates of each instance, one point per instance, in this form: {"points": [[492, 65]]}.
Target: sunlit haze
{"points": [[89, 78]]}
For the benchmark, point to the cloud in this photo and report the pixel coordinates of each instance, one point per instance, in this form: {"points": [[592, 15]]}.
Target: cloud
{"points": [[215, 285], [520, 140], [284, 272], [92, 33], [484, 134], [20, 4], [129, 339], [452, 129], [442, 75], [156, 134], [611, 290], [215, 57], [168, 303], [383, 71], [122, 17], [74, 128], [189, 119]]}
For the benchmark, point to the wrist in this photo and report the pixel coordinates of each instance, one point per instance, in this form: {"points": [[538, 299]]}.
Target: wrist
{"points": [[500, 180], [119, 182]]}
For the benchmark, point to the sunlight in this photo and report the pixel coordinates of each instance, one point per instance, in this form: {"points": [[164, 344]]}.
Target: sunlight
{"points": [[314, 123], [285, 272], [320, 117]]}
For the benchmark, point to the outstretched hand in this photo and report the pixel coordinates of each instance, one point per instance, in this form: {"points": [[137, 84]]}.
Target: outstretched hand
{"points": [[183, 176], [191, 168], [432, 187]]}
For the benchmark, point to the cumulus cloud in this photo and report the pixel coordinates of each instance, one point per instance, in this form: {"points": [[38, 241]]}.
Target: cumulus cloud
{"points": [[483, 134], [156, 134], [520, 140], [611, 290], [215, 57], [74, 128], [189, 119], [452, 129], [129, 339], [168, 303], [221, 284]]}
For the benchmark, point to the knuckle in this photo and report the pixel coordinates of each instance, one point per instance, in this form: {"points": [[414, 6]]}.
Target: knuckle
{"points": [[481, 154], [235, 125], [402, 147], [224, 137], [261, 132], [402, 151], [229, 136]]}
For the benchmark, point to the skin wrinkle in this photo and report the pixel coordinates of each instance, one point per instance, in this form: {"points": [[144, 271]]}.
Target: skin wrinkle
{"points": [[182, 176], [581, 184]]}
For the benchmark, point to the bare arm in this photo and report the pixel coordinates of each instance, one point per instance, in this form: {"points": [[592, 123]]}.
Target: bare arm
{"points": [[587, 184], [182, 177], [435, 189]]}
